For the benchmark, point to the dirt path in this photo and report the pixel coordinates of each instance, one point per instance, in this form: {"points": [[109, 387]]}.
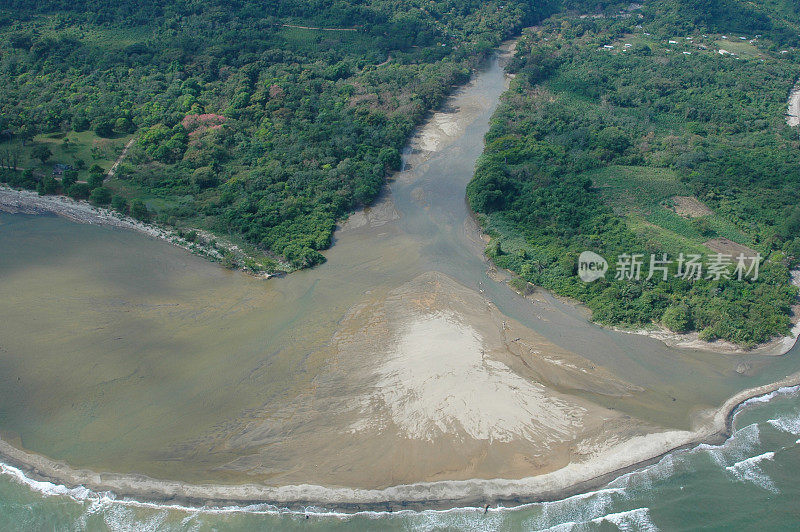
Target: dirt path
{"points": [[122, 155], [314, 28], [793, 113]]}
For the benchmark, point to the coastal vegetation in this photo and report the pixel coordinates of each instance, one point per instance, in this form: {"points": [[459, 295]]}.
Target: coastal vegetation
{"points": [[262, 123], [644, 131], [628, 129]]}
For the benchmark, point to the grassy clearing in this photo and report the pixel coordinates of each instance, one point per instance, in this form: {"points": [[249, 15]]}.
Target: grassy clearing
{"points": [[69, 148], [307, 40], [739, 47], [641, 195]]}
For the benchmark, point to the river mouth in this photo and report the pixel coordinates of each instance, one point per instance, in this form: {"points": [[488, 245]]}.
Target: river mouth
{"points": [[398, 363]]}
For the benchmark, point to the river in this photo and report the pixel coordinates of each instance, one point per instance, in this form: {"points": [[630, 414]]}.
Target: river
{"points": [[401, 371]]}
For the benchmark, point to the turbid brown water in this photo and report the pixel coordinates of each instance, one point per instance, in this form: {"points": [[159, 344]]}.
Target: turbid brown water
{"points": [[398, 361]]}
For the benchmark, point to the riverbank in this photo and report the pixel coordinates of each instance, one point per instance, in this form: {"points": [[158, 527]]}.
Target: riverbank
{"points": [[203, 243], [775, 347]]}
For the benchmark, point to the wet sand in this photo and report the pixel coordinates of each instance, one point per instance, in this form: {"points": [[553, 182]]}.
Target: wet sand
{"points": [[610, 460]]}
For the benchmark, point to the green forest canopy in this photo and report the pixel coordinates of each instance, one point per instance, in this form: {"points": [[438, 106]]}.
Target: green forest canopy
{"points": [[609, 122], [247, 124]]}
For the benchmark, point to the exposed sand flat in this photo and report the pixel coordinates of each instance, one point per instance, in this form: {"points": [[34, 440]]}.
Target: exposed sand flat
{"points": [[440, 381], [607, 459], [430, 381], [449, 372], [448, 124], [441, 127], [380, 213]]}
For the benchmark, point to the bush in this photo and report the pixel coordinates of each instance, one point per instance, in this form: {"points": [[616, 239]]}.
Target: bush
{"points": [[68, 178], [95, 180], [204, 177], [139, 210], [48, 185], [104, 128], [41, 152], [678, 318], [118, 203], [78, 191], [80, 123], [100, 196]]}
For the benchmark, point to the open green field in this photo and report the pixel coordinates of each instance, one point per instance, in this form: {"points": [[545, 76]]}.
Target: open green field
{"points": [[739, 47], [80, 150], [642, 195]]}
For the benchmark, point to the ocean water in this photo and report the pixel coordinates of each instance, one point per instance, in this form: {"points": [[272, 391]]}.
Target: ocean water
{"points": [[747, 482]]}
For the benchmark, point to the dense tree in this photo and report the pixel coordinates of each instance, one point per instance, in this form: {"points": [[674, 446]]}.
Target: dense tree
{"points": [[262, 131], [42, 152], [139, 210], [100, 196], [120, 204], [578, 110]]}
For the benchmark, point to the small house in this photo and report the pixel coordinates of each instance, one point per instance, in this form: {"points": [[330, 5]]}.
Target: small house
{"points": [[59, 169]]}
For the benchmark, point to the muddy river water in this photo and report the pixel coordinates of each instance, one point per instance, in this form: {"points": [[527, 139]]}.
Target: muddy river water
{"points": [[401, 369]]}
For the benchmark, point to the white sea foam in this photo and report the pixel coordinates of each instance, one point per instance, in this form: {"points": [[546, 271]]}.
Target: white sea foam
{"points": [[780, 392], [739, 446], [580, 508], [637, 519], [644, 477], [45, 488], [750, 471], [790, 424]]}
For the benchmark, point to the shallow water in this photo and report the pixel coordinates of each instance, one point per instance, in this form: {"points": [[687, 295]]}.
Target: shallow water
{"points": [[121, 353]]}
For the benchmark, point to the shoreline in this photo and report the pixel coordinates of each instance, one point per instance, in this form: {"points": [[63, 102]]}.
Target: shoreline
{"points": [[207, 245], [777, 346], [714, 427]]}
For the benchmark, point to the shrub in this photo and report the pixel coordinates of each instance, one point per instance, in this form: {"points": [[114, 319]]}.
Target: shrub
{"points": [[100, 196]]}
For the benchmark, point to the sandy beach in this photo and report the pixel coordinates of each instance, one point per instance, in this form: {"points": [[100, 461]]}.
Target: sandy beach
{"points": [[610, 462]]}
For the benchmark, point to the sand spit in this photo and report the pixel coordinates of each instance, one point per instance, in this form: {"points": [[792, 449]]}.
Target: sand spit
{"points": [[27, 202], [615, 460]]}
